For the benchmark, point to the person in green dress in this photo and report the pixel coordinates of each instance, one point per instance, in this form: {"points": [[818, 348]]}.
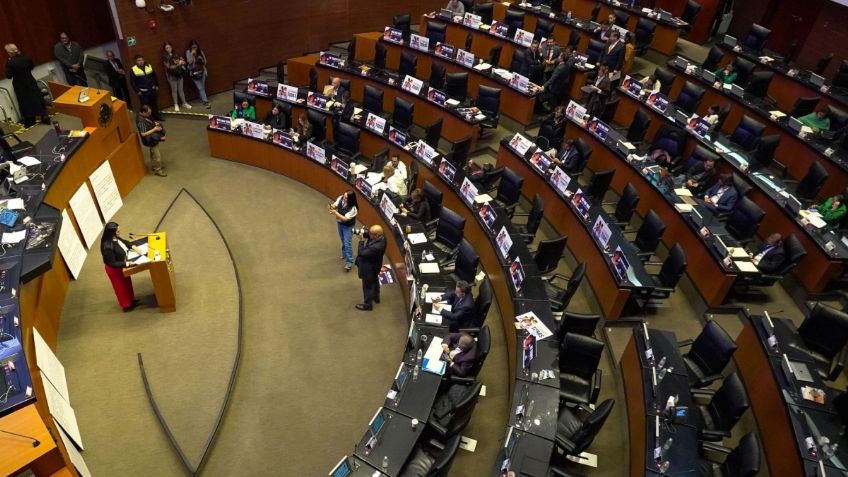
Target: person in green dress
{"points": [[244, 110], [832, 210], [726, 75], [818, 121]]}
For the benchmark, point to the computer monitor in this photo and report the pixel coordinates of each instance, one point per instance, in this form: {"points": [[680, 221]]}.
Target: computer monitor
{"points": [[680, 62], [729, 41], [720, 246], [697, 217], [793, 204], [708, 76], [342, 469], [377, 423], [794, 124], [737, 90], [816, 80]]}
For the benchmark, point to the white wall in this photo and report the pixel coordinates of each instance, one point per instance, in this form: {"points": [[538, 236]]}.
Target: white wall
{"points": [[51, 71]]}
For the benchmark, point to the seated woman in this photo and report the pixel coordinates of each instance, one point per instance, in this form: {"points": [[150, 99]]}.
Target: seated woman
{"points": [[652, 85], [818, 121], [275, 118], [832, 210], [303, 129], [417, 207], [726, 75], [661, 157], [244, 110]]}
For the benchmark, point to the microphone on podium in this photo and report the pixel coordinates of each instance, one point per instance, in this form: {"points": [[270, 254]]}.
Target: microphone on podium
{"points": [[35, 442]]}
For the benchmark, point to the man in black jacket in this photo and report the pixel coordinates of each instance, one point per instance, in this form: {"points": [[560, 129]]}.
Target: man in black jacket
{"points": [[461, 314], [770, 255], [553, 91], [117, 77], [19, 70], [369, 259], [613, 55]]}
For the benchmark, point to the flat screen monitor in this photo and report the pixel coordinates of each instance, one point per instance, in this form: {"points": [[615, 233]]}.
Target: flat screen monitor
{"points": [[342, 469]]}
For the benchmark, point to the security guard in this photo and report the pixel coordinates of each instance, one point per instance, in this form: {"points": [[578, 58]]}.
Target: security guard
{"points": [[144, 82]]}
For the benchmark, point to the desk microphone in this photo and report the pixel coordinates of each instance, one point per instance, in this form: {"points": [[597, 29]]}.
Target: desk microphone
{"points": [[132, 235], [35, 442]]}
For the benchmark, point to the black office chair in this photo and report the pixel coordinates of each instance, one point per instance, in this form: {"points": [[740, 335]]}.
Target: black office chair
{"points": [[509, 191], [458, 153], [448, 421], [741, 461], [433, 132], [379, 56], [690, 97], [579, 375], [596, 10], [621, 18], [412, 176], [468, 4], [456, 85], [840, 80], [402, 114], [346, 140], [666, 79], [759, 84], [528, 229], [626, 205], [804, 106], [514, 20], [561, 297], [313, 79], [638, 127], [608, 112], [708, 355], [574, 39], [466, 264], [491, 178], [649, 234], [449, 231], [690, 13], [824, 334], [494, 58], [402, 22], [595, 50], [408, 64], [645, 30], [577, 426], [715, 419], [489, 103], [838, 118], [747, 133], [577, 324], [713, 59], [379, 160], [544, 28], [431, 458], [741, 185], [764, 153], [585, 151], [436, 32], [485, 11], [744, 220], [599, 184], [548, 254], [672, 270], [318, 121], [516, 64], [795, 252], [810, 185], [484, 345], [482, 302], [756, 38], [285, 110], [743, 69], [551, 132], [437, 75], [372, 99], [434, 198]]}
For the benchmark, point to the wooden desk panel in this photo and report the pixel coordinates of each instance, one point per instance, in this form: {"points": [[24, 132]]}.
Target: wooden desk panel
{"points": [[365, 45], [481, 44], [18, 454], [298, 69]]}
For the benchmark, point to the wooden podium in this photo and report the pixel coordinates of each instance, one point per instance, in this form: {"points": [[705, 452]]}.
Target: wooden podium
{"points": [[161, 273]]}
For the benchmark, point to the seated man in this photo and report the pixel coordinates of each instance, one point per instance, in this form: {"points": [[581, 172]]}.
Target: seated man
{"points": [[568, 157], [698, 176], [818, 121], [400, 167], [460, 352], [334, 90], [394, 182], [462, 306], [721, 197], [770, 255]]}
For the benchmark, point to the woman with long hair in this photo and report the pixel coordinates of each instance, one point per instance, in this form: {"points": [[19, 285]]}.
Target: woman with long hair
{"points": [[196, 62], [175, 69], [344, 211], [114, 250]]}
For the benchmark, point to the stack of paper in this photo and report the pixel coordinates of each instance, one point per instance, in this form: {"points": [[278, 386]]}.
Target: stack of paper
{"points": [[482, 66], [417, 238], [428, 267]]}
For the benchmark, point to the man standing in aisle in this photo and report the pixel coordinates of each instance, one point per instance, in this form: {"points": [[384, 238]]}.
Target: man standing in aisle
{"points": [[369, 259], [31, 101], [70, 56], [117, 77]]}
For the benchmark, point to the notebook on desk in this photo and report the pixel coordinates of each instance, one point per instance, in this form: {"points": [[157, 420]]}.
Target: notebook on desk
{"points": [[801, 371]]}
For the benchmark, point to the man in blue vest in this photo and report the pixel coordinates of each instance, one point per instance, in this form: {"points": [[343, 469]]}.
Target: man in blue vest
{"points": [[145, 83]]}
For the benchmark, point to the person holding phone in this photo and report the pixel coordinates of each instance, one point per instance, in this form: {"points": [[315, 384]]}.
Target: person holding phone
{"points": [[344, 210]]}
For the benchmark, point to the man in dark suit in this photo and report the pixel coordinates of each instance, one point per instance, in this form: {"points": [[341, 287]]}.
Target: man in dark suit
{"points": [[721, 197], [613, 55], [698, 176], [117, 77], [369, 259], [553, 91], [30, 100], [461, 314], [460, 352], [569, 156], [770, 255], [549, 53]]}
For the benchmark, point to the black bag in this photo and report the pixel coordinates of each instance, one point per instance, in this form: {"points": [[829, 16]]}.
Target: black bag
{"points": [[196, 74], [152, 140]]}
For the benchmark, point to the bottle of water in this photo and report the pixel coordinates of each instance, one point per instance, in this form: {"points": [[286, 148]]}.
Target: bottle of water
{"points": [[661, 364], [415, 371], [419, 356], [385, 462], [568, 15], [667, 445]]}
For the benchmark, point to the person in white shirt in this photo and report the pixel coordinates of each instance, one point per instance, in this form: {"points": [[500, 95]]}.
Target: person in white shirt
{"points": [[456, 7], [394, 182], [344, 210], [400, 167]]}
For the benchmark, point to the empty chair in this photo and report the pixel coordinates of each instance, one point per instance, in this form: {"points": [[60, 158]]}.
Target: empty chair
{"points": [[495, 55], [509, 190], [489, 103], [579, 376], [454, 421], [319, 125], [459, 151], [436, 32], [574, 38], [804, 106], [609, 109], [626, 205], [491, 177], [595, 50], [412, 176], [378, 162], [482, 302], [432, 458], [434, 200], [516, 64], [649, 234], [689, 98], [403, 113], [485, 12], [621, 18], [402, 23], [534, 219], [756, 38], [599, 184], [313, 79], [764, 153], [577, 324], [380, 56], [744, 220], [456, 85], [726, 406], [810, 185], [824, 333], [840, 80], [577, 426], [708, 355], [741, 185], [467, 261], [561, 297], [639, 126], [372, 99], [666, 79], [548, 254], [747, 133], [468, 4], [408, 64], [671, 271], [437, 75], [741, 461], [449, 232], [596, 10], [690, 13], [758, 84], [838, 118], [713, 58], [544, 28], [514, 20], [645, 29], [743, 69], [433, 132], [585, 151], [346, 139]]}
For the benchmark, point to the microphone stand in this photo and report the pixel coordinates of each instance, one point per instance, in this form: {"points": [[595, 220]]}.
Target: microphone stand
{"points": [[35, 442]]}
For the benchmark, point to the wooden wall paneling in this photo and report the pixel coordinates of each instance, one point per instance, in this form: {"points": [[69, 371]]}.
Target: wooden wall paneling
{"points": [[827, 35], [791, 20], [746, 13]]}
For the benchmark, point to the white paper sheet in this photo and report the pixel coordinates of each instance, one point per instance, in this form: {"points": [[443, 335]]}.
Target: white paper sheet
{"points": [[71, 246], [86, 214], [13, 237], [106, 190], [73, 453], [63, 412], [429, 267], [50, 366], [29, 161]]}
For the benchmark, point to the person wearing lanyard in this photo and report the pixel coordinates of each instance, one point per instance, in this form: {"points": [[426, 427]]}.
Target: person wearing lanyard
{"points": [[344, 210], [114, 250]]}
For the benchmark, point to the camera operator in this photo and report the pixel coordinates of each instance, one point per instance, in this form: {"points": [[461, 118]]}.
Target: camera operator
{"points": [[369, 259]]}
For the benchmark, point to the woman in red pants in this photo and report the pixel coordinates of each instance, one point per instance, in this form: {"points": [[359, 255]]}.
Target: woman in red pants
{"points": [[114, 250]]}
